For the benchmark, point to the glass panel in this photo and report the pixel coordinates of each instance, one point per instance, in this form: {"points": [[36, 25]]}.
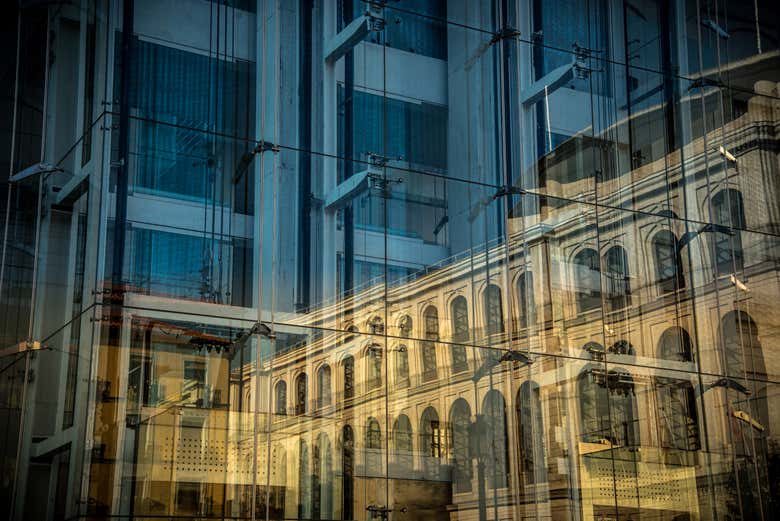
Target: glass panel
{"points": [[390, 261], [329, 460]]}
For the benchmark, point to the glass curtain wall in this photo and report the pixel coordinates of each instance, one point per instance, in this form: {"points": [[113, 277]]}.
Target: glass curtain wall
{"points": [[405, 260]]}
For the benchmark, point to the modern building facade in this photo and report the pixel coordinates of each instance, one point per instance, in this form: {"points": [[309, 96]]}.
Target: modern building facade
{"points": [[397, 260]]}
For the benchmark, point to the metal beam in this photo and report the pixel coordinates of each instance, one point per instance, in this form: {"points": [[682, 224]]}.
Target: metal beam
{"points": [[73, 189], [347, 190], [548, 84], [353, 33]]}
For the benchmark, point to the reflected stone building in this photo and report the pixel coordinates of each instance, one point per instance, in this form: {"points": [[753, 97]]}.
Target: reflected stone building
{"points": [[401, 260]]}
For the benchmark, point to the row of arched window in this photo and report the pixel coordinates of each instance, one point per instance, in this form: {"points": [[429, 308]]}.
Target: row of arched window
{"points": [[608, 411], [594, 277], [728, 216], [608, 414], [484, 440], [674, 345]]}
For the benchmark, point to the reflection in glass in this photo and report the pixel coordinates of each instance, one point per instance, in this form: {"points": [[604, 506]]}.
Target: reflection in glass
{"points": [[587, 273], [304, 481], [322, 485], [676, 398], [374, 362], [281, 398], [431, 335], [668, 262], [430, 442], [263, 259], [594, 406], [494, 447], [460, 333], [529, 417], [494, 310], [278, 482], [348, 469], [744, 357], [728, 212], [460, 424], [348, 368], [373, 448], [526, 301], [617, 278], [402, 366], [402, 440], [323, 386], [301, 394]]}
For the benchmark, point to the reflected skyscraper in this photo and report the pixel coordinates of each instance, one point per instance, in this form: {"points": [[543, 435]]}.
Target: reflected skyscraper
{"points": [[396, 260]]}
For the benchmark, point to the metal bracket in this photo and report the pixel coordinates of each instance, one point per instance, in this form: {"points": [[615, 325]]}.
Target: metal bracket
{"points": [[701, 83], [559, 77], [378, 160], [382, 512], [265, 146], [504, 34], [246, 159], [380, 182]]}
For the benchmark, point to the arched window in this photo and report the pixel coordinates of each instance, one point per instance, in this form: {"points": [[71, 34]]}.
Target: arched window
{"points": [[401, 366], [494, 310], [728, 212], [323, 386], [675, 345], [744, 355], [678, 418], [348, 470], [348, 365], [460, 425], [247, 404], [493, 446], [616, 275], [594, 405], [352, 332], [430, 442], [525, 296], [405, 326], [587, 280], [301, 394], [459, 312], [459, 315], [402, 444], [431, 335], [316, 480], [607, 407], [377, 326], [322, 479], [529, 418], [745, 366], [595, 350], [278, 482], [668, 262], [374, 358], [304, 482], [622, 347], [373, 447], [402, 353], [623, 408], [280, 393]]}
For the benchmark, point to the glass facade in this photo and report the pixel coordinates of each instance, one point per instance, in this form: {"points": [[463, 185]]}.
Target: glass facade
{"points": [[390, 261]]}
